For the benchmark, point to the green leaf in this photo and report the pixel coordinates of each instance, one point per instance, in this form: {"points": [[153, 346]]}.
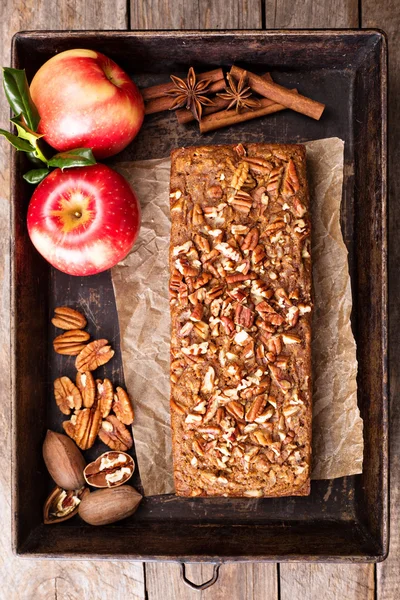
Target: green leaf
{"points": [[36, 175], [18, 95], [26, 133], [17, 142], [79, 157]]}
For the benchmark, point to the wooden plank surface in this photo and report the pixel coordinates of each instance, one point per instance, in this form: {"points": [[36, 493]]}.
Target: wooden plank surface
{"points": [[310, 14], [386, 16], [192, 14], [31, 579]]}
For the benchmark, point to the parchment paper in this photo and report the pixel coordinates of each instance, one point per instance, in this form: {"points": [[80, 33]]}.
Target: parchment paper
{"points": [[141, 290]]}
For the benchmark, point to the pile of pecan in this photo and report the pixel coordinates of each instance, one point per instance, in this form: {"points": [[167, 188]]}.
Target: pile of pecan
{"points": [[97, 409]]}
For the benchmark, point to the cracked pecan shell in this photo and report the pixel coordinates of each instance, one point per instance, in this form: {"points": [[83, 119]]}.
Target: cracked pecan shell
{"points": [[115, 435], [68, 318], [122, 406], [71, 342], [94, 355], [67, 395], [85, 384], [105, 393], [88, 422]]}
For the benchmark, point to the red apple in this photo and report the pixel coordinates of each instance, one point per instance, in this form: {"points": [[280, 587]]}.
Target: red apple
{"points": [[85, 100], [83, 220]]}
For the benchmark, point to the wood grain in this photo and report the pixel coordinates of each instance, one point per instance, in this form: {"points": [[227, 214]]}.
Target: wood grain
{"points": [[307, 581], [386, 16], [238, 582], [32, 579], [310, 14], [192, 14]]}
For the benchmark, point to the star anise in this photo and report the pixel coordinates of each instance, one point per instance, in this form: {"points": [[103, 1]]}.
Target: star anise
{"points": [[190, 93], [239, 95]]}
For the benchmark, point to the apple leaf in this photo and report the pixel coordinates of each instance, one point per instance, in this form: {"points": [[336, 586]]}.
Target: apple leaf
{"points": [[17, 142], [79, 157], [18, 95], [36, 175], [25, 133]]}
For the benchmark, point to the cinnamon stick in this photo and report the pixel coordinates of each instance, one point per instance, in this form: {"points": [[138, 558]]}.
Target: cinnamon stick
{"points": [[157, 91], [231, 117], [185, 116], [281, 95]]}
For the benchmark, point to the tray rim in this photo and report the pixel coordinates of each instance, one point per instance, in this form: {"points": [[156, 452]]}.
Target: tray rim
{"points": [[259, 33]]}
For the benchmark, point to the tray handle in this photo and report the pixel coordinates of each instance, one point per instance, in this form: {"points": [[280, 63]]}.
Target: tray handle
{"points": [[200, 586]]}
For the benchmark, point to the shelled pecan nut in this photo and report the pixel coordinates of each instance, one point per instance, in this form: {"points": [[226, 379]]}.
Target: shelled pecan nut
{"points": [[111, 469], [88, 422], [122, 407], [71, 342], [105, 396], [67, 395], [115, 435], [85, 384], [94, 355], [68, 318]]}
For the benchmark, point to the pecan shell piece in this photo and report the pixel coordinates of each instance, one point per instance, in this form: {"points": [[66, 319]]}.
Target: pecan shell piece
{"points": [[122, 406], [94, 355], [111, 469], [67, 395], [105, 395], [115, 435], [68, 318], [88, 422], [85, 384], [62, 505], [71, 342]]}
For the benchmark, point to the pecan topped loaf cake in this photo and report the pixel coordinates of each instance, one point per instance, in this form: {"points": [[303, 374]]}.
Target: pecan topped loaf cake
{"points": [[241, 312]]}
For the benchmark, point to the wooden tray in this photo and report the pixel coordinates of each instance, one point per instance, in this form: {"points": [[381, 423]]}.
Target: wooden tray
{"points": [[342, 520]]}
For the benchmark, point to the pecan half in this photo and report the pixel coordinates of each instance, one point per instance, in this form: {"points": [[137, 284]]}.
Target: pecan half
{"points": [[88, 422], [68, 318], [122, 407], [94, 355], [67, 395], [69, 427], [71, 342], [105, 393], [115, 435], [86, 386]]}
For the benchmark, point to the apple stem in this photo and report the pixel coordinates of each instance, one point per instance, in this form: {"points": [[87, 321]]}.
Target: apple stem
{"points": [[77, 215]]}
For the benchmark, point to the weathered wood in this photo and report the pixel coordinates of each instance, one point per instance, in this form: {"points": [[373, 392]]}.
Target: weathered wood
{"points": [[330, 582], [238, 582], [307, 581], [32, 579], [309, 14], [191, 14], [386, 16]]}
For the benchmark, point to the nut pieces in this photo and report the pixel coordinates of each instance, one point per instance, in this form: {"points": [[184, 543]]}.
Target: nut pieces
{"points": [[115, 435], [64, 461], [87, 427], [67, 395], [62, 505], [94, 355], [109, 505], [68, 318], [122, 407], [111, 469], [86, 386]]}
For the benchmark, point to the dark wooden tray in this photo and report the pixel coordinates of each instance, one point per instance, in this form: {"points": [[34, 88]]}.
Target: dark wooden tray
{"points": [[342, 520]]}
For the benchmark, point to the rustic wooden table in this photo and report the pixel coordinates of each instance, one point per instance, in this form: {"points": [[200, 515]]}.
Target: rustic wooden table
{"points": [[73, 580]]}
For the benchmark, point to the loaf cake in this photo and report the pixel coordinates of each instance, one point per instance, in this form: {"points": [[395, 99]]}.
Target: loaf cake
{"points": [[240, 295]]}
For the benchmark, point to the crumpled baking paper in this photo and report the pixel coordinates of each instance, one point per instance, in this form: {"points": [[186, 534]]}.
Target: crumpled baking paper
{"points": [[141, 291]]}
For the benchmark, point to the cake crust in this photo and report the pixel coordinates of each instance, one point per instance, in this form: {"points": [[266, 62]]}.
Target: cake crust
{"points": [[240, 297]]}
